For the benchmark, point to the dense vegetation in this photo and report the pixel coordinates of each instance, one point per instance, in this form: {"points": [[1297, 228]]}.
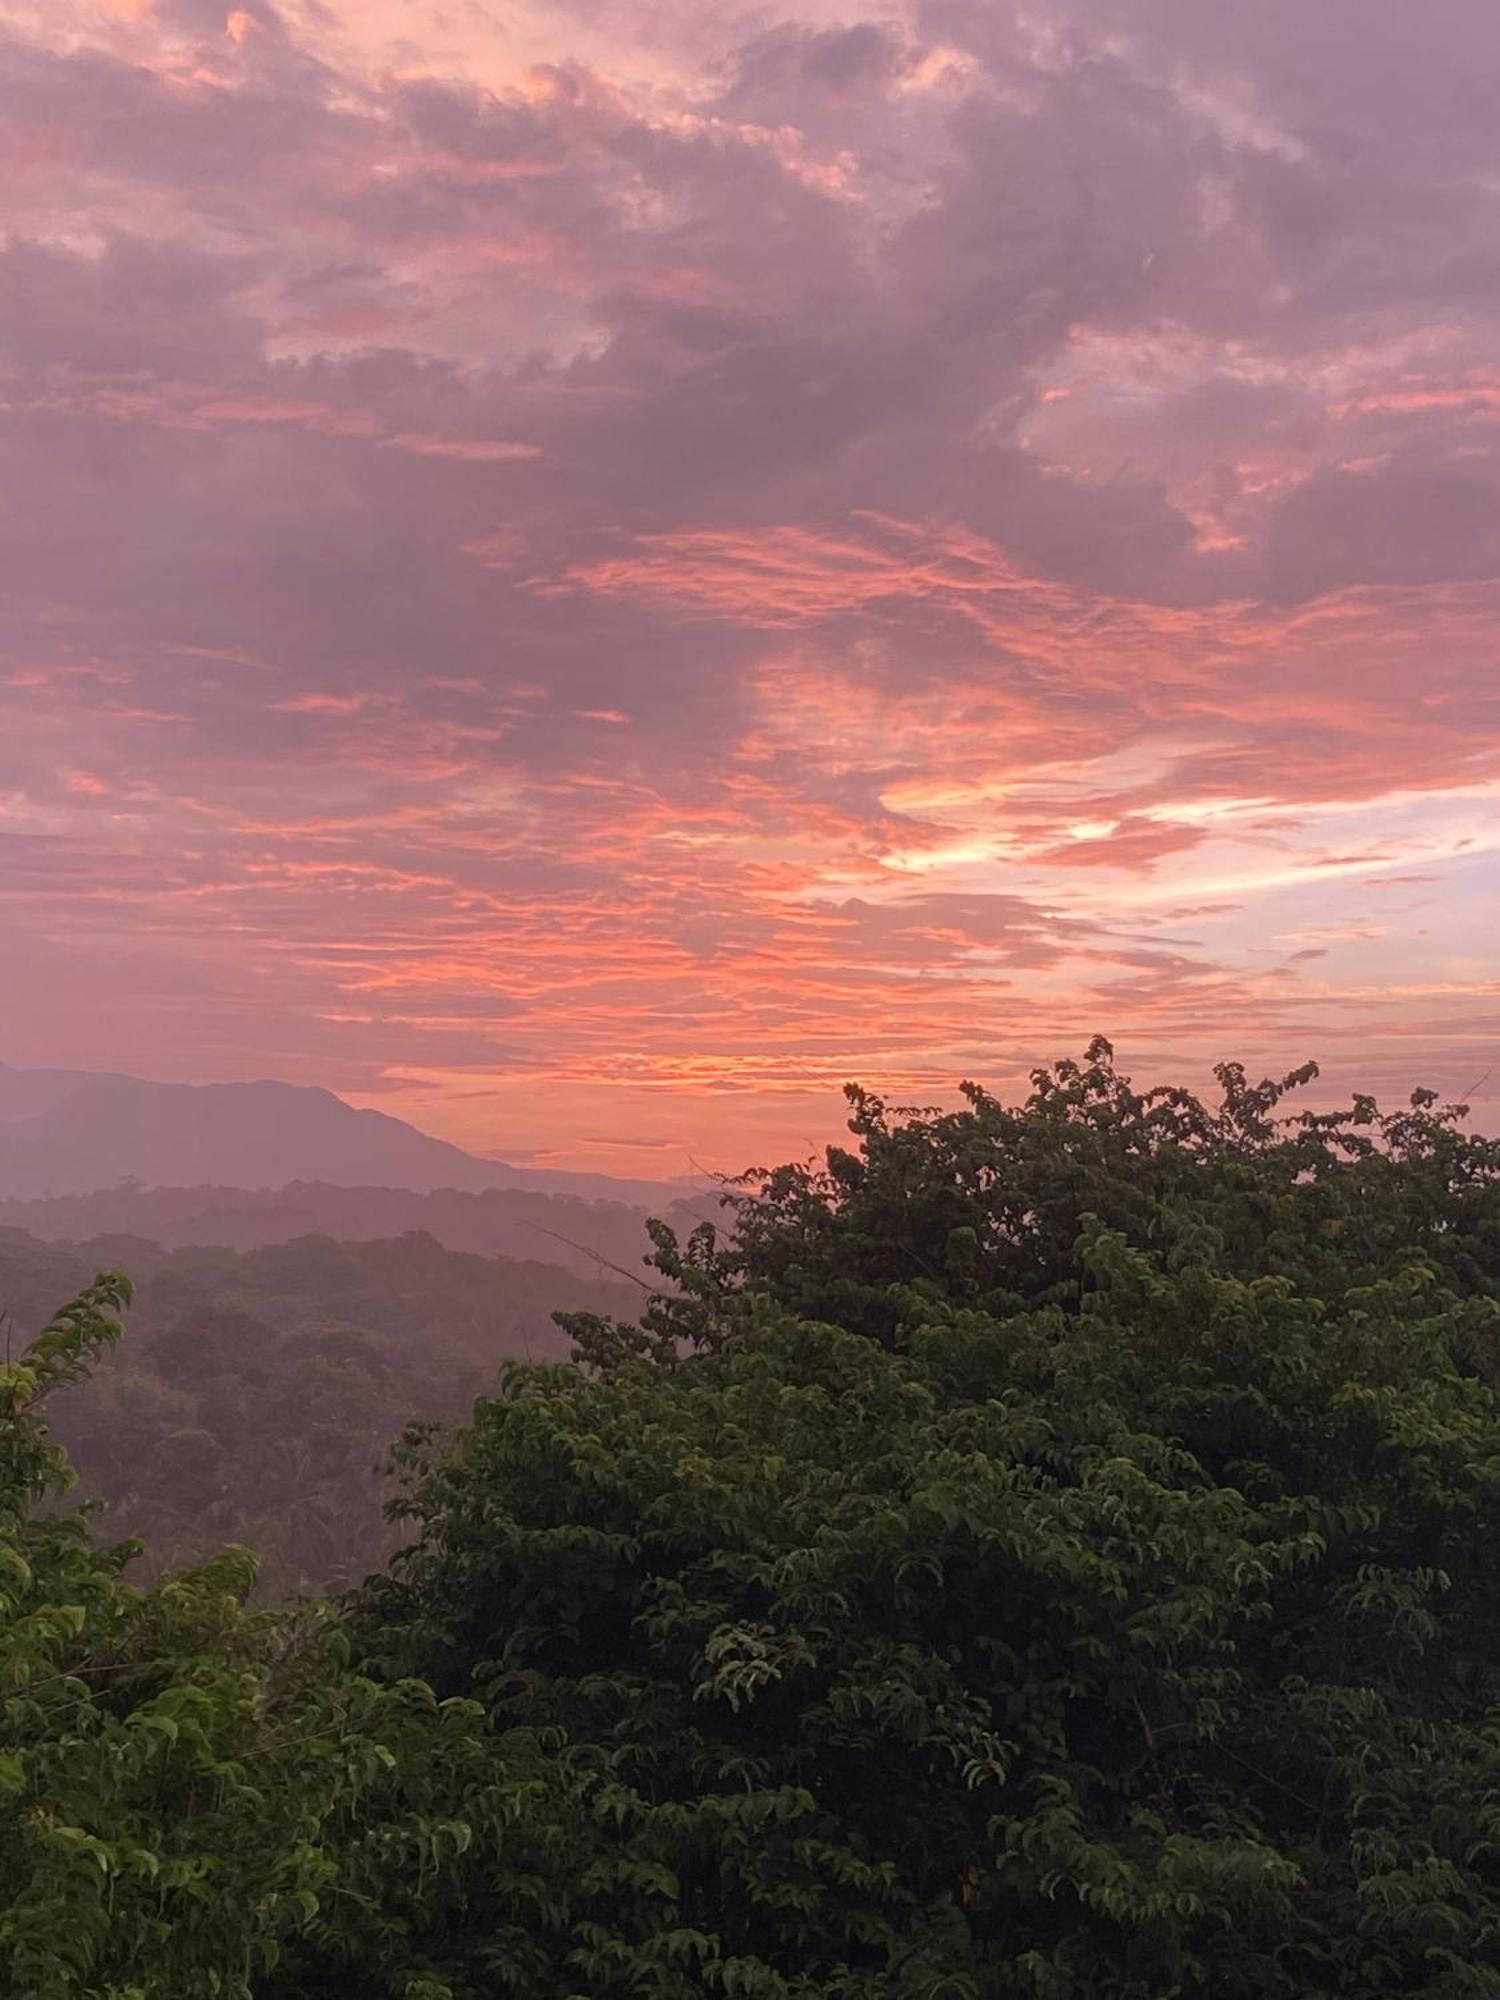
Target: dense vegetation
{"points": [[188, 1787], [1043, 1551], [259, 1392]]}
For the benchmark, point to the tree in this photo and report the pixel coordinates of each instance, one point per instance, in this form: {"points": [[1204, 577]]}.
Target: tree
{"points": [[190, 1790], [1045, 1551]]}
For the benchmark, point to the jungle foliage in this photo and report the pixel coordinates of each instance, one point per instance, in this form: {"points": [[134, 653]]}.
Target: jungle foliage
{"points": [[1044, 1551], [187, 1786], [257, 1397]]}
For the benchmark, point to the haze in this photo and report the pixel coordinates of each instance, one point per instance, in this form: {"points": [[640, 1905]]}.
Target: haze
{"points": [[583, 573]]}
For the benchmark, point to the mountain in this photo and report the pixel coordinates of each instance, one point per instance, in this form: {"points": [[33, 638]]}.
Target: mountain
{"points": [[70, 1131]]}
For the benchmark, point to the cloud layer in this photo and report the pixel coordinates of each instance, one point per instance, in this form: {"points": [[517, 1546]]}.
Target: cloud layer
{"points": [[585, 574]]}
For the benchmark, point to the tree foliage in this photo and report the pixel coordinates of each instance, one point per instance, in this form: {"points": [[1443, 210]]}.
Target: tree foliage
{"points": [[1042, 1551], [189, 1789], [1045, 1551]]}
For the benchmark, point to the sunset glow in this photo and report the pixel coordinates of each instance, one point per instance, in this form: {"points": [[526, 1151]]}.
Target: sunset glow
{"points": [[584, 574]]}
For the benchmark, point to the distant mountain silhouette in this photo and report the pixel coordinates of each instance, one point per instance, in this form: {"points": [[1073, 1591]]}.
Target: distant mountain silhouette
{"points": [[71, 1131], [584, 1237]]}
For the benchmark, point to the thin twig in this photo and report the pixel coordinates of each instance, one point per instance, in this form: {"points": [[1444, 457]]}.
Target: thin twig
{"points": [[584, 1251]]}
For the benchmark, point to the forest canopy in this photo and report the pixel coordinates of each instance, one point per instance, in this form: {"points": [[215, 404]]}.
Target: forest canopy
{"points": [[1041, 1550], [257, 1397]]}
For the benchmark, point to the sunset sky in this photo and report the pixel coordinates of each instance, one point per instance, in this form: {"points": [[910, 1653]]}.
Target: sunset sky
{"points": [[585, 571]]}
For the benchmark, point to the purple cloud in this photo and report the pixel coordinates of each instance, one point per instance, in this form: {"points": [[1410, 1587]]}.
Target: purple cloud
{"points": [[646, 561]]}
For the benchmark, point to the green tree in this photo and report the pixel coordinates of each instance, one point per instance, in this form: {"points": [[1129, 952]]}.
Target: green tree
{"points": [[190, 1789], [1045, 1551]]}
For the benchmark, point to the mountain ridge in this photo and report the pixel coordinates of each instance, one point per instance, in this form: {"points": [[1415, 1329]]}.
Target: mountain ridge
{"points": [[581, 1235], [68, 1132]]}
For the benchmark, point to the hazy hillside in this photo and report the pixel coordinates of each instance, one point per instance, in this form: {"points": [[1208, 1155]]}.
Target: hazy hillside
{"points": [[582, 1236], [69, 1131], [257, 1393]]}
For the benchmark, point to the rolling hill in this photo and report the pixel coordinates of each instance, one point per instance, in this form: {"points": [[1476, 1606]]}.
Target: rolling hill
{"points": [[256, 1394]]}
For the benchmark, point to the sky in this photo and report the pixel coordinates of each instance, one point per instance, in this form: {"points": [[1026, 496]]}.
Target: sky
{"points": [[585, 571]]}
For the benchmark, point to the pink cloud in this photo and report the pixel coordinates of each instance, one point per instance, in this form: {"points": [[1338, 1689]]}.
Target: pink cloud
{"points": [[603, 580]]}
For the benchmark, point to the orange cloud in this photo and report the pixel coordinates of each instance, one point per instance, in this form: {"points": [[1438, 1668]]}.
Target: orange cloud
{"points": [[605, 577]]}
